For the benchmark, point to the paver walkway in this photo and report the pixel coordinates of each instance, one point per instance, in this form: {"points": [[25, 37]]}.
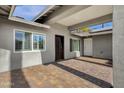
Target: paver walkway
{"points": [[83, 72]]}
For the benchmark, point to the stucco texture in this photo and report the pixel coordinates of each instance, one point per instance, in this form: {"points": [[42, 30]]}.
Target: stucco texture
{"points": [[11, 60]]}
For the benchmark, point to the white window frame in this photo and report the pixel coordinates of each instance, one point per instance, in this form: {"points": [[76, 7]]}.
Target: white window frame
{"points": [[37, 42], [32, 50]]}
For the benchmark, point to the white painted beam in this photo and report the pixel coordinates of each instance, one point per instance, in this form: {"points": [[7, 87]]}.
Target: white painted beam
{"points": [[42, 13], [28, 22], [85, 34]]}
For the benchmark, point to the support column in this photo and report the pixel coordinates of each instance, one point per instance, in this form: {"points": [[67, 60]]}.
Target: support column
{"points": [[118, 46]]}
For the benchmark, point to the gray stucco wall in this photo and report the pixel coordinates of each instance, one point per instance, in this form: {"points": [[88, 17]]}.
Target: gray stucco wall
{"points": [[118, 46], [10, 60], [102, 46]]}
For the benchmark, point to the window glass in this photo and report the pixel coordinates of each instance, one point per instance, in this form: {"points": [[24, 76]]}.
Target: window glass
{"points": [[27, 41], [74, 45], [35, 42], [19, 41], [39, 42], [23, 41]]}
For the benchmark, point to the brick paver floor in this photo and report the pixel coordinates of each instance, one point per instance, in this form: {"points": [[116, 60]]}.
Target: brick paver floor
{"points": [[83, 72]]}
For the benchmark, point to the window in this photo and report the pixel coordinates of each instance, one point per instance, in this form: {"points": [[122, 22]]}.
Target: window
{"points": [[25, 41], [19, 41], [74, 45], [38, 42], [22, 41]]}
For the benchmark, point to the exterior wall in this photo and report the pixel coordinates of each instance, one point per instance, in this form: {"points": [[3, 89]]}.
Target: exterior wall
{"points": [[10, 60], [102, 46], [118, 46]]}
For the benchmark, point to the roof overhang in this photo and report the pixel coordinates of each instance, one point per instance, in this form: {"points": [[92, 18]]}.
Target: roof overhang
{"points": [[4, 10], [7, 11], [67, 15], [79, 14], [25, 21], [28, 22]]}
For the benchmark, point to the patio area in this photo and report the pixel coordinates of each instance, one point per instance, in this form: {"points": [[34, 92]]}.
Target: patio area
{"points": [[82, 72]]}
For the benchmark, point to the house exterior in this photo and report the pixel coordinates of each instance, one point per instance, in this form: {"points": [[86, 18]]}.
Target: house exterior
{"points": [[30, 58], [24, 44], [101, 38]]}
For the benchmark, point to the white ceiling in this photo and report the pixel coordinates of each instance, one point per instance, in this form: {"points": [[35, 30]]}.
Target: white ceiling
{"points": [[83, 15]]}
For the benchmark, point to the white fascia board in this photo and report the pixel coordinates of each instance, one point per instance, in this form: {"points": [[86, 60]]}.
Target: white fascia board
{"points": [[11, 11], [28, 22], [92, 34], [42, 13], [102, 33], [25, 21]]}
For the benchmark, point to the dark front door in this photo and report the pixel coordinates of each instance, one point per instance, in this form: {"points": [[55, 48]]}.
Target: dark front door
{"points": [[59, 47]]}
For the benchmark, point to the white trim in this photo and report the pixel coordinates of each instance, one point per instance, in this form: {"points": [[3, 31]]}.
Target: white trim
{"points": [[92, 33], [42, 13], [75, 38], [32, 50], [11, 11], [32, 42], [30, 31], [25, 21], [28, 22], [14, 40], [23, 43]]}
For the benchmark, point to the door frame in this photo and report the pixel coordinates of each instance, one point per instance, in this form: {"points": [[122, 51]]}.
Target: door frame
{"points": [[62, 37]]}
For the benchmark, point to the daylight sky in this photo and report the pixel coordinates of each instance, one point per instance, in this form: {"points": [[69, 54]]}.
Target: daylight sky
{"points": [[28, 12], [99, 26]]}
